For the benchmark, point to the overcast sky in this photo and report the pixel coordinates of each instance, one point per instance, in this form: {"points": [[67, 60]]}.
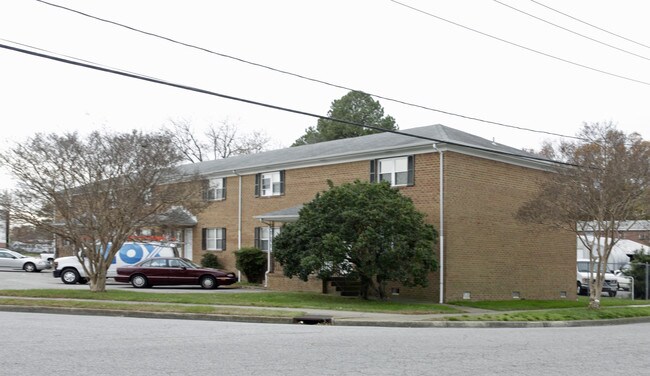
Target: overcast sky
{"points": [[378, 46]]}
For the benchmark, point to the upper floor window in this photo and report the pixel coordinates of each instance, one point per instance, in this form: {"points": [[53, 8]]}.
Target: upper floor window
{"points": [[269, 184], [398, 171], [214, 239], [216, 189]]}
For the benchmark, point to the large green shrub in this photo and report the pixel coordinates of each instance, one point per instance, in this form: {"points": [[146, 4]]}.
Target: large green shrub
{"points": [[252, 262], [362, 229], [210, 260]]}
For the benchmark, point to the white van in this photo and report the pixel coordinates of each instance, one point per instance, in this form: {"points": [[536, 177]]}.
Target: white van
{"points": [[70, 270]]}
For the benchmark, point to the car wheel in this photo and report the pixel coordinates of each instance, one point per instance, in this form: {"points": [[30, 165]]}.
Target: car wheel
{"points": [[208, 282], [612, 294], [29, 267], [579, 289], [70, 276], [139, 281]]}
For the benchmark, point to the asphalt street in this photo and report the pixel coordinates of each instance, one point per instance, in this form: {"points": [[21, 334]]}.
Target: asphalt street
{"points": [[97, 345]]}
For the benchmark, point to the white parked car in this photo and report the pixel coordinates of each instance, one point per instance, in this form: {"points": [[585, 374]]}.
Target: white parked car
{"points": [[624, 281], [13, 260]]}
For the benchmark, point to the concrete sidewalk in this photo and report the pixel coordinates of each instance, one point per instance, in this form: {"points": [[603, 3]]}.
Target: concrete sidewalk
{"points": [[329, 317]]}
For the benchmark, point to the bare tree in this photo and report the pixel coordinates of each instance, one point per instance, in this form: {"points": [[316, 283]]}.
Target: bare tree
{"points": [[605, 180], [99, 190], [226, 141], [183, 136], [253, 142], [217, 142]]}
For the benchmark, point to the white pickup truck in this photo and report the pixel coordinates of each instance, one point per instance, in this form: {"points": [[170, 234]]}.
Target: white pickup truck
{"points": [[610, 284], [48, 256], [70, 271]]}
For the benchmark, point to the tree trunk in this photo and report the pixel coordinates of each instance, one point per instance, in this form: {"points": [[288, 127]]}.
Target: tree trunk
{"points": [[98, 282], [595, 290], [381, 289], [366, 285]]}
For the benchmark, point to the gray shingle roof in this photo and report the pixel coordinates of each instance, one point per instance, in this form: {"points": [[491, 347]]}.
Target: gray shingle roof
{"points": [[351, 147], [284, 215]]}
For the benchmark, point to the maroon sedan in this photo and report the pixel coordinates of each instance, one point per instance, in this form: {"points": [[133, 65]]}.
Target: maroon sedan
{"points": [[173, 271]]}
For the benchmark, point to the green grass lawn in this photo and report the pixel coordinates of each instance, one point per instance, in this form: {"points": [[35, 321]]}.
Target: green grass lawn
{"points": [[259, 299], [565, 314], [509, 310], [516, 305], [555, 310], [148, 307]]}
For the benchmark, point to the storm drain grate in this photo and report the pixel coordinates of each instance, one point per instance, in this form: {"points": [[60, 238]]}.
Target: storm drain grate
{"points": [[313, 320]]}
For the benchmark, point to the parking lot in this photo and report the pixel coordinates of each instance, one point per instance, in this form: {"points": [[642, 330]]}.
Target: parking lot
{"points": [[21, 280]]}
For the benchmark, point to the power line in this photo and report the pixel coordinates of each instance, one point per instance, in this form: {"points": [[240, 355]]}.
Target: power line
{"points": [[64, 55], [571, 31], [256, 103], [592, 25], [522, 46], [277, 70]]}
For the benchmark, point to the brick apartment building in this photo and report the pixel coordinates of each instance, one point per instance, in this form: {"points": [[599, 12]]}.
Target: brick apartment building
{"points": [[468, 187]]}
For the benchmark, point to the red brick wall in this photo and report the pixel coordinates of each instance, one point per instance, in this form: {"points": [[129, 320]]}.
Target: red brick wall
{"points": [[487, 252]]}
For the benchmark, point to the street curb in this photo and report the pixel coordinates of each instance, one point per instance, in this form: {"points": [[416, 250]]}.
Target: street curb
{"points": [[150, 315], [496, 324], [331, 322]]}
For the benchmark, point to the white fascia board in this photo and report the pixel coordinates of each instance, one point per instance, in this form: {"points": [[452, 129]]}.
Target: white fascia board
{"points": [[338, 159], [367, 155]]}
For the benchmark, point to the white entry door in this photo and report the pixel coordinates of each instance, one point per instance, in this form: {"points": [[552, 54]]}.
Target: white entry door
{"points": [[187, 248]]}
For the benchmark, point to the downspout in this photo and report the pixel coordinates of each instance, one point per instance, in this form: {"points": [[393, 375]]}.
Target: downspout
{"points": [[441, 231], [239, 209]]}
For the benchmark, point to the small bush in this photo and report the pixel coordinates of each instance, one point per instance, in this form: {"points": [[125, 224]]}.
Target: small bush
{"points": [[637, 270], [252, 262], [210, 260]]}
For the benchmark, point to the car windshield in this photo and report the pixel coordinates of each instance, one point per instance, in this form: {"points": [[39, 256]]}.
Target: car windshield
{"points": [[191, 264], [18, 255], [583, 267]]}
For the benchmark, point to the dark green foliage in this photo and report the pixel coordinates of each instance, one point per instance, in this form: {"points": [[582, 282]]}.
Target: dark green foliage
{"points": [[637, 271], [252, 262], [209, 260], [364, 230], [357, 107]]}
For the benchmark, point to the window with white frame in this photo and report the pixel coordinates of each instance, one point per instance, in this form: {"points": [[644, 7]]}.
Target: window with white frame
{"points": [[216, 189], [264, 237], [271, 184], [394, 171], [214, 239]]}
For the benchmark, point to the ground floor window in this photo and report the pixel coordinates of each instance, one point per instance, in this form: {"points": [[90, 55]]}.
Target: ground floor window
{"points": [[214, 239], [264, 237]]}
